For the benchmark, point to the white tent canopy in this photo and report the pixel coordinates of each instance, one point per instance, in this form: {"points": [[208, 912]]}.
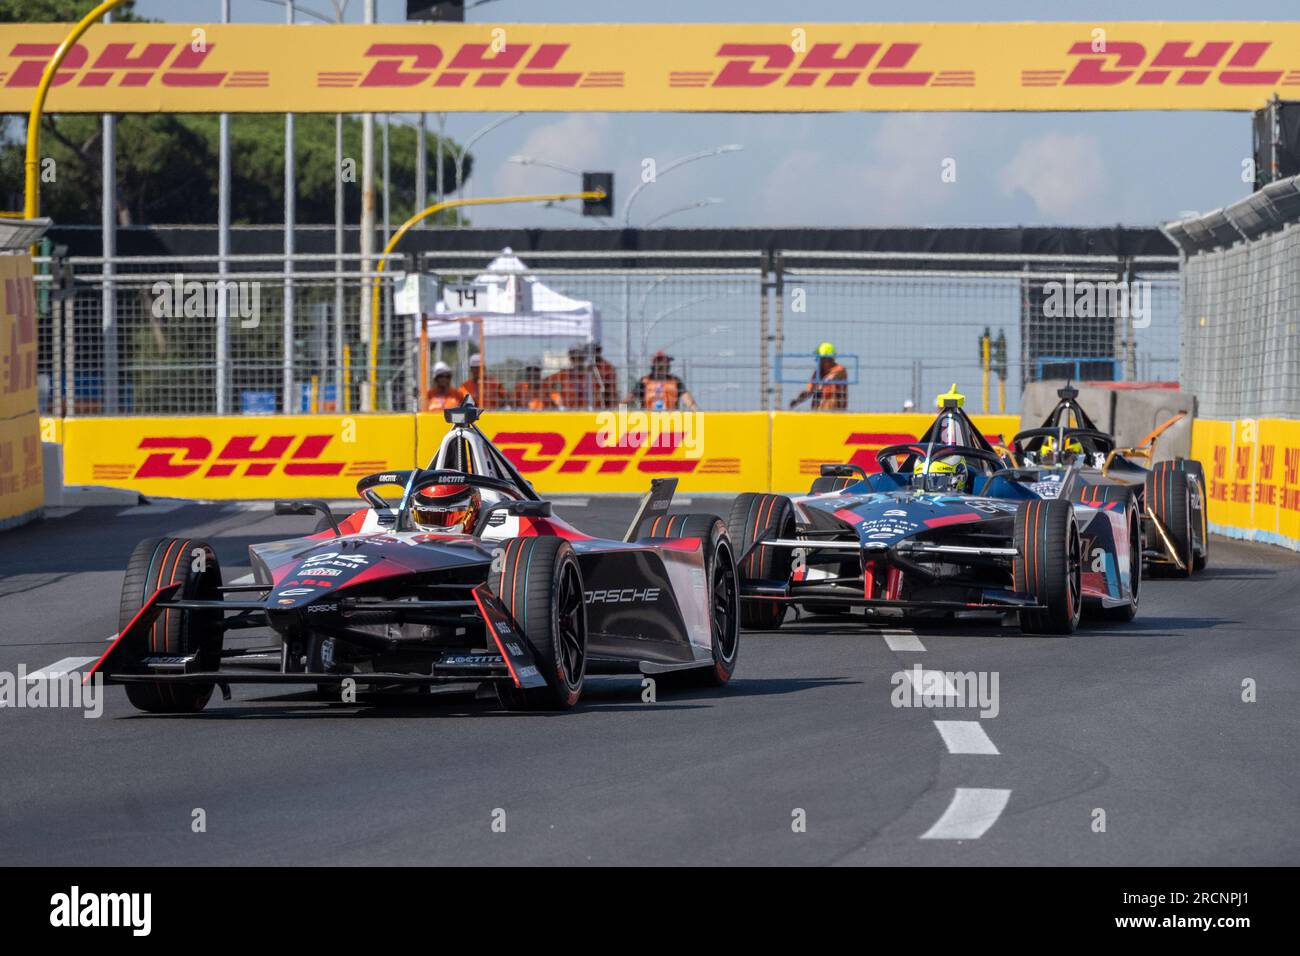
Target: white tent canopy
{"points": [[511, 304]]}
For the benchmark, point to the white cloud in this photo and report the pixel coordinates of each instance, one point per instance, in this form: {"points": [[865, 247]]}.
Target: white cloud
{"points": [[579, 140], [1063, 173]]}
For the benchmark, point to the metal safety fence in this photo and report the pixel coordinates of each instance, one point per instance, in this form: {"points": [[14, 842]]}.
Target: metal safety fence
{"points": [[1241, 327], [166, 335]]}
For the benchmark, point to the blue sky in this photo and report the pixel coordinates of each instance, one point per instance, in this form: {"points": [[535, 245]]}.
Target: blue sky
{"points": [[852, 169]]}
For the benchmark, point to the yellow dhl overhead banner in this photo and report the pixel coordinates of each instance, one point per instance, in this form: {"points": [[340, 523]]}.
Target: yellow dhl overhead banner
{"points": [[700, 67], [21, 487], [1252, 467]]}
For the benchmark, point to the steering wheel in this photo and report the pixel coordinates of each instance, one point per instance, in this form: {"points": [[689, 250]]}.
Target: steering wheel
{"points": [[885, 457]]}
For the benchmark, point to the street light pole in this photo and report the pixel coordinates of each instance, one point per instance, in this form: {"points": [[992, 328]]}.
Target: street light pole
{"points": [[474, 138], [627, 221], [290, 216]]}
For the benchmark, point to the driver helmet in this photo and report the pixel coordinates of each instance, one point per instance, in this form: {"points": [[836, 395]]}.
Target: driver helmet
{"points": [[448, 508], [1047, 451], [945, 474]]}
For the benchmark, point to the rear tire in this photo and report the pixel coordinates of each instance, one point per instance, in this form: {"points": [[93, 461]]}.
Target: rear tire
{"points": [[540, 584], [1049, 565], [1200, 514], [752, 516], [1169, 498], [724, 594], [156, 563]]}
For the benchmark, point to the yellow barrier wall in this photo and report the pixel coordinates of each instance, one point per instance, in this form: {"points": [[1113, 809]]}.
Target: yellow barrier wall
{"points": [[252, 457], [1252, 467], [21, 488], [560, 452]]}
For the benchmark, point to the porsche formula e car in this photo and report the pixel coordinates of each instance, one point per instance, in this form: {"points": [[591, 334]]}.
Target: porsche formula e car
{"points": [[945, 528], [466, 577], [1170, 495]]}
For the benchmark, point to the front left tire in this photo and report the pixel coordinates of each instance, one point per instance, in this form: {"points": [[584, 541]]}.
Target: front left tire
{"points": [[539, 581], [156, 563]]}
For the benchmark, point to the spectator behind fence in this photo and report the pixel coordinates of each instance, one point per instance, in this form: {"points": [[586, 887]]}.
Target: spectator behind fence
{"points": [[604, 378], [494, 393], [828, 388], [571, 387], [531, 393], [443, 394], [662, 391]]}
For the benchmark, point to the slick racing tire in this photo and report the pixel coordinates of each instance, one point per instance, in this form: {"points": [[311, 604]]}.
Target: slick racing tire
{"points": [[1200, 514], [156, 563], [754, 516], [1049, 565], [1170, 499], [823, 484], [1127, 612], [724, 593], [540, 583]]}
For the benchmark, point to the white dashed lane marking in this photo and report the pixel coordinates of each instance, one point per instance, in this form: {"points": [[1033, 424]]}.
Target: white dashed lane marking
{"points": [[903, 641], [930, 682], [972, 811], [65, 666], [965, 737]]}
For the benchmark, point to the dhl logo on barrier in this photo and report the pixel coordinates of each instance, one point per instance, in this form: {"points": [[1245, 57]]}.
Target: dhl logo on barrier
{"points": [[130, 65], [756, 65], [536, 452], [241, 456], [1227, 61], [152, 67], [235, 457], [400, 65]]}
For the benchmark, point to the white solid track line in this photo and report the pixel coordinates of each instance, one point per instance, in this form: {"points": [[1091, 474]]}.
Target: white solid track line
{"points": [[972, 811]]}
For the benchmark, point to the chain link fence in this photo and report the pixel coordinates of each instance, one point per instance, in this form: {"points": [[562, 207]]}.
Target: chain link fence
{"points": [[1241, 327], [168, 336]]}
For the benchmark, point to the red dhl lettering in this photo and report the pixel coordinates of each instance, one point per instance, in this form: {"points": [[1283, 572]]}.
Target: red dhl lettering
{"points": [[756, 65], [1176, 62], [1220, 461], [533, 452], [476, 64], [183, 456], [1266, 456], [119, 64], [1291, 465]]}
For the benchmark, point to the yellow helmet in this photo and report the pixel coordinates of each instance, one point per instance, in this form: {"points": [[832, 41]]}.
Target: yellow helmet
{"points": [[1072, 445], [826, 350]]}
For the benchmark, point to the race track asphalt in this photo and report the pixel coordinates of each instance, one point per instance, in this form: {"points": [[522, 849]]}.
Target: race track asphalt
{"points": [[1124, 745]]}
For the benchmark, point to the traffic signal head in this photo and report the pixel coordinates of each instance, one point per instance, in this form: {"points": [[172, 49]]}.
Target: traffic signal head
{"points": [[602, 182]]}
